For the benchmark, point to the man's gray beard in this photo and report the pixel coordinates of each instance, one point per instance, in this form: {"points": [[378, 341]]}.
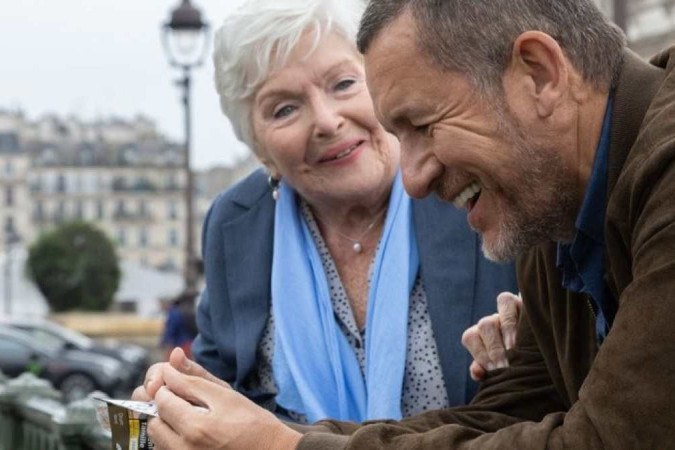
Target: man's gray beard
{"points": [[543, 209], [519, 231]]}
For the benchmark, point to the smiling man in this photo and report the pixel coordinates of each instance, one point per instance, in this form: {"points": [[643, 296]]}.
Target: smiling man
{"points": [[560, 144]]}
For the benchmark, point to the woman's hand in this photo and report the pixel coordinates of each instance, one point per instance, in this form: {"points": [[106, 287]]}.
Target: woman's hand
{"points": [[488, 340]]}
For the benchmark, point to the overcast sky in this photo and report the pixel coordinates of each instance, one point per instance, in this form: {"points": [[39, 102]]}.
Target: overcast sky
{"points": [[97, 58]]}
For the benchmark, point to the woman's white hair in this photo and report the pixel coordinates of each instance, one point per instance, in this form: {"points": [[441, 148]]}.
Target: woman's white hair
{"points": [[257, 40]]}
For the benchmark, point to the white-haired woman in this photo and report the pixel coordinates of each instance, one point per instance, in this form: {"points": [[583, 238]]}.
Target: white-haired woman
{"points": [[330, 293]]}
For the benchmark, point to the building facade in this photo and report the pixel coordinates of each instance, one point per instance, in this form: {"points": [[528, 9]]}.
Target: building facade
{"points": [[649, 24], [122, 176], [14, 195]]}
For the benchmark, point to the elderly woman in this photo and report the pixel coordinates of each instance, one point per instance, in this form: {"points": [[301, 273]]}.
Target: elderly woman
{"points": [[330, 293]]}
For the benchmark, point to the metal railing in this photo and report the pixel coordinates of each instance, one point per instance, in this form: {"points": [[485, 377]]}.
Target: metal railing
{"points": [[33, 417]]}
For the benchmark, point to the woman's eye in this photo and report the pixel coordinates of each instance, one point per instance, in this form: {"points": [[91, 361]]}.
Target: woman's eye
{"points": [[283, 111], [344, 84]]}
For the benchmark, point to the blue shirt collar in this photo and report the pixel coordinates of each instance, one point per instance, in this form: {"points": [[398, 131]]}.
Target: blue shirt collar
{"points": [[582, 262], [591, 218]]}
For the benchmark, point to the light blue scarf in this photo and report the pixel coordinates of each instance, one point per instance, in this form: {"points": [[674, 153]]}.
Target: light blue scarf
{"points": [[315, 369]]}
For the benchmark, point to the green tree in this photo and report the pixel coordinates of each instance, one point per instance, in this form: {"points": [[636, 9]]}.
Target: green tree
{"points": [[75, 267]]}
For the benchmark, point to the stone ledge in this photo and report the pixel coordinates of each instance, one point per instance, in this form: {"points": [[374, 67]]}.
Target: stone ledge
{"points": [[110, 324]]}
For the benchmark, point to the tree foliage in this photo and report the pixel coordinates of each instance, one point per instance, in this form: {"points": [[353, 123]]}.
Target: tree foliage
{"points": [[75, 267]]}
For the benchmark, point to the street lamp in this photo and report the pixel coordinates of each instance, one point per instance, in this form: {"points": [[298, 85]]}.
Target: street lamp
{"points": [[621, 14], [185, 40], [11, 239]]}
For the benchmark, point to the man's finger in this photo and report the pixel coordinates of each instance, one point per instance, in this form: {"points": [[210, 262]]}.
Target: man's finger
{"points": [[183, 364], [476, 371], [153, 379], [508, 307], [177, 409], [163, 436], [140, 395], [472, 341], [490, 333]]}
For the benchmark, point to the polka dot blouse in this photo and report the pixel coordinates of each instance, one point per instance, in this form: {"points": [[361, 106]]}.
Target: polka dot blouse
{"points": [[423, 384]]}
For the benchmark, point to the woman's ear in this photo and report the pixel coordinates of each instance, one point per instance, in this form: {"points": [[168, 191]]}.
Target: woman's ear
{"points": [[264, 158], [539, 66], [269, 165]]}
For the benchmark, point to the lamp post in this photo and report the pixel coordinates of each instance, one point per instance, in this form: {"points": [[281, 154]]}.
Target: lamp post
{"points": [[11, 238], [185, 40], [621, 14]]}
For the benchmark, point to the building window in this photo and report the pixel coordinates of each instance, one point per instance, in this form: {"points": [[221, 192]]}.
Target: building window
{"points": [[9, 196], [173, 238], [120, 210], [79, 210], [9, 168], [36, 186], [60, 213], [9, 226], [39, 211], [173, 210], [119, 184], [121, 237], [142, 208], [9, 142], [143, 238], [171, 183], [61, 184], [100, 212]]}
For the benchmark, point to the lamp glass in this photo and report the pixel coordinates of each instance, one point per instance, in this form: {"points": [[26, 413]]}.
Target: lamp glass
{"points": [[186, 46]]}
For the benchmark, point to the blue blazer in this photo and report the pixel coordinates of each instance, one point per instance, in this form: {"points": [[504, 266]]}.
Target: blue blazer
{"points": [[460, 284]]}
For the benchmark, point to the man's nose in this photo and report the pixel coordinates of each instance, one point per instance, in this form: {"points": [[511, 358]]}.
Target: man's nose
{"points": [[419, 167]]}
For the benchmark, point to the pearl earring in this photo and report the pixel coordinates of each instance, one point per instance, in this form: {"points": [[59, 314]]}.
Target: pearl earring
{"points": [[274, 185]]}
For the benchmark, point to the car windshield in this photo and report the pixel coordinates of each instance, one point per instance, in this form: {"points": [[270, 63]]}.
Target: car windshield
{"points": [[45, 341], [56, 338], [77, 338]]}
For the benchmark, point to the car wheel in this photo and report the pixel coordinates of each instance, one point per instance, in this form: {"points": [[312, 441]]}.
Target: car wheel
{"points": [[76, 386]]}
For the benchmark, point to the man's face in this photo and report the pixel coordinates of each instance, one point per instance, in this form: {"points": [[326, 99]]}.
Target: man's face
{"points": [[486, 156]]}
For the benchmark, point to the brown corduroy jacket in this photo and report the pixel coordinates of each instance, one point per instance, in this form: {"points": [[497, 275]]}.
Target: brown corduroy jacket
{"points": [[560, 391]]}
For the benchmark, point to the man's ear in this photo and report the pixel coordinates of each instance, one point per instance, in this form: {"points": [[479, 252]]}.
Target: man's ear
{"points": [[538, 61]]}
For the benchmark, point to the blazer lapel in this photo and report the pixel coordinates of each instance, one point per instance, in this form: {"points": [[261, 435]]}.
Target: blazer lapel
{"points": [[248, 263], [448, 258]]}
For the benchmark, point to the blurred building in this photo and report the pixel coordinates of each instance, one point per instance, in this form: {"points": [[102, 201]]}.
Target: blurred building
{"points": [[649, 24], [14, 195], [121, 175], [211, 182]]}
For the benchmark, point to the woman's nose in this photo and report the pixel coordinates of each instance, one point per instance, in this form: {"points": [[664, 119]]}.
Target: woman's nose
{"points": [[328, 118]]}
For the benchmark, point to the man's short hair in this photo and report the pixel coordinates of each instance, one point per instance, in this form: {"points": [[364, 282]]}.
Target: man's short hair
{"points": [[475, 37]]}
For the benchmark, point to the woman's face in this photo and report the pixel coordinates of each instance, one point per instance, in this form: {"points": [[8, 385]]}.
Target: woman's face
{"points": [[314, 125]]}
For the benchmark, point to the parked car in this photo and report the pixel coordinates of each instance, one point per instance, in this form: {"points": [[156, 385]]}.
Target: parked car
{"points": [[74, 372], [135, 357]]}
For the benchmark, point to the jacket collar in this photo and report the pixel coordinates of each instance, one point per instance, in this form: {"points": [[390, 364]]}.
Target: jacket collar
{"points": [[636, 87], [251, 190]]}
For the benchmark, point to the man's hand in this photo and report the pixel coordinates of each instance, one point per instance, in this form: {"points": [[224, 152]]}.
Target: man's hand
{"points": [[488, 340], [226, 419], [154, 378]]}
